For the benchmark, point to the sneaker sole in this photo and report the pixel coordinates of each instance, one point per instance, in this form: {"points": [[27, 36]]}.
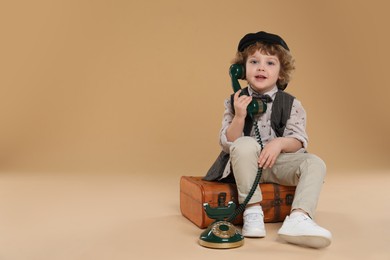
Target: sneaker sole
{"points": [[309, 241], [253, 234]]}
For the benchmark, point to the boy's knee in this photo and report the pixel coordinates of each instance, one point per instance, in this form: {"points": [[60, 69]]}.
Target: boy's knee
{"points": [[244, 145], [316, 162]]}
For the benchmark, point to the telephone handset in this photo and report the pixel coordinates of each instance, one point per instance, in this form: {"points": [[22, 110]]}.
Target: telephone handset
{"points": [[221, 233], [237, 72]]}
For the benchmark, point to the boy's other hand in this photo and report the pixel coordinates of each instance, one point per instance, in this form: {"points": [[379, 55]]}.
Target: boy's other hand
{"points": [[270, 153]]}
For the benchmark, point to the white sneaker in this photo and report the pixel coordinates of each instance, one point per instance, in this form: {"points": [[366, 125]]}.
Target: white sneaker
{"points": [[302, 230], [253, 222]]}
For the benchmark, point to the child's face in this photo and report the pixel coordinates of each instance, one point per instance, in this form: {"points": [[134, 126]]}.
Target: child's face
{"points": [[262, 71]]}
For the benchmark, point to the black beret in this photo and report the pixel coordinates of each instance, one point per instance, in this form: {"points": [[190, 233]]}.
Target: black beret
{"points": [[252, 38]]}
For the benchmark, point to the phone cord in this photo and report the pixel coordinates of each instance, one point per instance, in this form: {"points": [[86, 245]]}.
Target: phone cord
{"points": [[242, 206]]}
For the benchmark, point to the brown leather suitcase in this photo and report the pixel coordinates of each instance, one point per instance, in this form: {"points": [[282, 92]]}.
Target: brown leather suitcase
{"points": [[194, 191]]}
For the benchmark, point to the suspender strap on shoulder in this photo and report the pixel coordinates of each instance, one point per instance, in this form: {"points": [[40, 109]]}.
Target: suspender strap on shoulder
{"points": [[281, 110]]}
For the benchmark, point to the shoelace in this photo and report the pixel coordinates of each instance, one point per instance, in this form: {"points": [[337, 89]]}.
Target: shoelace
{"points": [[303, 218], [253, 217]]}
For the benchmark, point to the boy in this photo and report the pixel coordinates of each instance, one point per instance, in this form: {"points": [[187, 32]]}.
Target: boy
{"points": [[268, 66]]}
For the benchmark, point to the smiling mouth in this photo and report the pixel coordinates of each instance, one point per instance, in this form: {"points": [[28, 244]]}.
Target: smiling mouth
{"points": [[260, 77]]}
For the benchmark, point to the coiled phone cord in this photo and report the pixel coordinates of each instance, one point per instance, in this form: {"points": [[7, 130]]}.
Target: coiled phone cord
{"points": [[242, 206]]}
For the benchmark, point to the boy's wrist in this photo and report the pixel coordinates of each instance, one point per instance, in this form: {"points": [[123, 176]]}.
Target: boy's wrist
{"points": [[289, 144], [239, 118]]}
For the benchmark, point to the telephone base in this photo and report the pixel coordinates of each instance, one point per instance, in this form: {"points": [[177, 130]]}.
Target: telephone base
{"points": [[221, 235]]}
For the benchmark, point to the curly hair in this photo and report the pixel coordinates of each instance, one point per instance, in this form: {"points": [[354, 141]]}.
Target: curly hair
{"points": [[285, 58]]}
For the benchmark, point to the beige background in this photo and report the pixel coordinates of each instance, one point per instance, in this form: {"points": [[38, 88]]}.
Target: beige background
{"points": [[138, 86], [135, 89]]}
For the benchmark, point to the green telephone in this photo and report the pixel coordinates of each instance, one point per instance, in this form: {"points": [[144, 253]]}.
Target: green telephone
{"points": [[222, 233], [237, 71]]}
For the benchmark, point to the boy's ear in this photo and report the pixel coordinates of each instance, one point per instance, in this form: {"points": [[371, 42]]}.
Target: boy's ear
{"points": [[278, 81]]}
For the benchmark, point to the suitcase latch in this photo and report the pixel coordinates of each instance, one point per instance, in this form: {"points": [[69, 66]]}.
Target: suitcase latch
{"points": [[289, 199], [277, 202], [221, 199]]}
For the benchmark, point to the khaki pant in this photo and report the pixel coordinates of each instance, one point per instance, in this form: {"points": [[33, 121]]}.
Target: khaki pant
{"points": [[303, 170]]}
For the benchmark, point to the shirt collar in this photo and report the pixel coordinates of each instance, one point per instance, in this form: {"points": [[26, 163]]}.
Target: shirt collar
{"points": [[270, 93]]}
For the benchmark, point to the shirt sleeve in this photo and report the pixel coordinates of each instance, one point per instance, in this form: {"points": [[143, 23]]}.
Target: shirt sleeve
{"points": [[227, 119], [296, 124]]}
